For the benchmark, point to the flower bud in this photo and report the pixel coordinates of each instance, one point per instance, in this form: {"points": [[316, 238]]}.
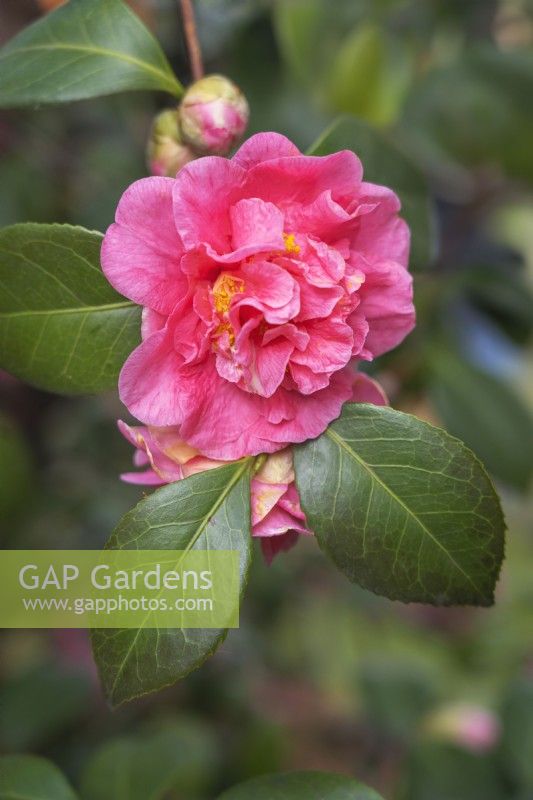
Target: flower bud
{"points": [[472, 727], [213, 115], [166, 154]]}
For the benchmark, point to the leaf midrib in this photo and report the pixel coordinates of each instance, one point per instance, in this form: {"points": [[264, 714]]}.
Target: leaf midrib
{"points": [[59, 311], [345, 446], [201, 527], [167, 76]]}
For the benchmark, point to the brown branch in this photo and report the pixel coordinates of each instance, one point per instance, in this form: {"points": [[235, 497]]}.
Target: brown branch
{"points": [[191, 36]]}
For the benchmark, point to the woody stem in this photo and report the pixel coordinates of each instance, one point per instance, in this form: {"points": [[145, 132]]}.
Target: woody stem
{"points": [[191, 36]]}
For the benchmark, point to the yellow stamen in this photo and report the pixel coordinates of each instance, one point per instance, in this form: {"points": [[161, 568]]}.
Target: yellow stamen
{"points": [[224, 289], [225, 327], [290, 243]]}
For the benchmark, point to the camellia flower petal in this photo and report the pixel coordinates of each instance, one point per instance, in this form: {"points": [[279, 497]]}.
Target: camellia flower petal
{"points": [[264, 279]]}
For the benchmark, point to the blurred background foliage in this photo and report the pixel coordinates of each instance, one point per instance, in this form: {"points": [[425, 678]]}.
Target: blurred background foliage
{"points": [[422, 704]]}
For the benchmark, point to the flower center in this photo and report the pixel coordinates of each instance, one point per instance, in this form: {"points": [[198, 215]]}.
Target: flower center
{"points": [[225, 327], [223, 290], [290, 243], [225, 287]]}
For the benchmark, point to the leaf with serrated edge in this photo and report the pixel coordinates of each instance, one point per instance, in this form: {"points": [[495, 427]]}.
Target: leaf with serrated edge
{"points": [[208, 511], [62, 326], [86, 48], [402, 508], [301, 786], [32, 778]]}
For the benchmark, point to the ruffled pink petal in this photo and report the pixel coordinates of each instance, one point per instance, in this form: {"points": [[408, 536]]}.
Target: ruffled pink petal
{"points": [[141, 251], [382, 235], [151, 322], [299, 338], [387, 304], [258, 367], [147, 478], [271, 290], [321, 217], [367, 390], [289, 182], [277, 468], [190, 333], [294, 418], [129, 432], [246, 424], [163, 468], [148, 383], [277, 522], [327, 219], [273, 545], [307, 381], [264, 497], [317, 301], [325, 265], [291, 503], [329, 349], [200, 464], [257, 223], [360, 327], [268, 371], [211, 404], [264, 147], [140, 459], [203, 193], [169, 442]]}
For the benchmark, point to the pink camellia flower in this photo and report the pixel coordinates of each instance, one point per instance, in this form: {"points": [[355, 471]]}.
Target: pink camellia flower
{"points": [[264, 280], [276, 515]]}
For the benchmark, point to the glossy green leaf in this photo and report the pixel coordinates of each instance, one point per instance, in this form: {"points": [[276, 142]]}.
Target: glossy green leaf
{"points": [[85, 48], [384, 163], [301, 786], [402, 508], [32, 778], [178, 755], [208, 511], [62, 326], [486, 414]]}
